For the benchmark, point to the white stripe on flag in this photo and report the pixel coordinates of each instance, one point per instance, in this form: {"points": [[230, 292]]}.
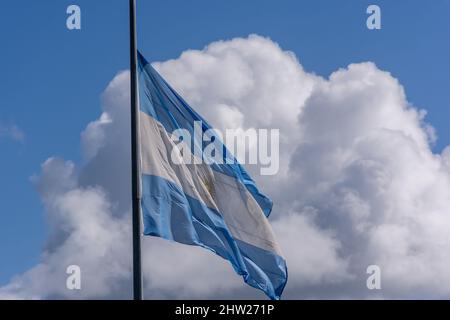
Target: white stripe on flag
{"points": [[228, 196]]}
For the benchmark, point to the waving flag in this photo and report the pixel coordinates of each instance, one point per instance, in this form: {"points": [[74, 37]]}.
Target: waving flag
{"points": [[216, 206]]}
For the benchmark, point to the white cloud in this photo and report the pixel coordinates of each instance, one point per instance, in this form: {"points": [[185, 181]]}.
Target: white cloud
{"points": [[359, 185], [11, 131], [83, 233], [364, 162]]}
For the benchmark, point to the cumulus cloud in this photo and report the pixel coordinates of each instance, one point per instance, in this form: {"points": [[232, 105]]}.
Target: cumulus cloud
{"points": [[83, 233], [358, 185]]}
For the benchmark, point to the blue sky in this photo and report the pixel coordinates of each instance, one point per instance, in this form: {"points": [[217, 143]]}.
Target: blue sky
{"points": [[52, 77]]}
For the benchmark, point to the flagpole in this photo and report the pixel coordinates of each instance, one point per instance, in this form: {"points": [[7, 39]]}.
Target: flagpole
{"points": [[137, 272]]}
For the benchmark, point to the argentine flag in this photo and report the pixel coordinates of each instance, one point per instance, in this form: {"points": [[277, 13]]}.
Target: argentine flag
{"points": [[216, 206]]}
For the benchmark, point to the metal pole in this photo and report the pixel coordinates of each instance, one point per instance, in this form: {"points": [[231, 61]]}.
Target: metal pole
{"points": [[137, 272]]}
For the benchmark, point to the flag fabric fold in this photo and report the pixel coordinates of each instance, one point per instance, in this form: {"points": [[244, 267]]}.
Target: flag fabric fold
{"points": [[216, 206]]}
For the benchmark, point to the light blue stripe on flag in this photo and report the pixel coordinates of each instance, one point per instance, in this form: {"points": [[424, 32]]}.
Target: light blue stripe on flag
{"points": [[164, 104], [217, 206]]}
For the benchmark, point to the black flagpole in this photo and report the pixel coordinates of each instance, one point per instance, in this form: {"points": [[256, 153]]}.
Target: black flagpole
{"points": [[137, 272]]}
